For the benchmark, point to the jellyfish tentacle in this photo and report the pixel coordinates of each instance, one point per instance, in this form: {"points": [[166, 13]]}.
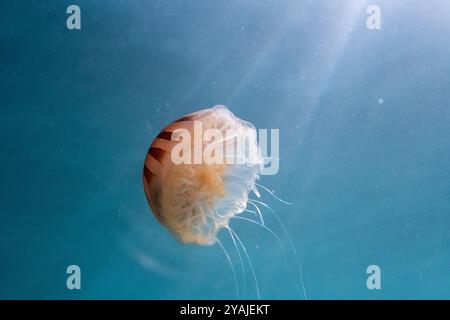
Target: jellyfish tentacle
{"points": [[282, 247], [251, 211], [291, 244], [240, 259], [255, 190], [231, 265], [249, 261], [273, 195], [258, 210]]}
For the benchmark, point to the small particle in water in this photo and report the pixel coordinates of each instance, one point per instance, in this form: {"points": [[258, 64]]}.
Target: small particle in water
{"points": [[380, 101]]}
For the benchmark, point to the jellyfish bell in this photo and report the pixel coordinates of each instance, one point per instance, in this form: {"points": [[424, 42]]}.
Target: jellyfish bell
{"points": [[199, 171]]}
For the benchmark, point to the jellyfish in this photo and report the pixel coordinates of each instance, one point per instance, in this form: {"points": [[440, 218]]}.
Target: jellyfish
{"points": [[198, 174], [195, 199]]}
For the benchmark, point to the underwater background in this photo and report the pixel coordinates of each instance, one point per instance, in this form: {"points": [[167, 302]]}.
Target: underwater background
{"points": [[364, 119]]}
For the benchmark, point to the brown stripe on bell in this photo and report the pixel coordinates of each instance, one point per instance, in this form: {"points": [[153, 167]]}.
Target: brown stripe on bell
{"points": [[165, 135], [157, 153]]}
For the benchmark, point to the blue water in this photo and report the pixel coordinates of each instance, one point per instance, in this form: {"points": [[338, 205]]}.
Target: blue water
{"points": [[364, 121]]}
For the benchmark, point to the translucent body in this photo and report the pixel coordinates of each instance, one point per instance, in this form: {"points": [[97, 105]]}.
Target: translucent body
{"points": [[195, 200]]}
